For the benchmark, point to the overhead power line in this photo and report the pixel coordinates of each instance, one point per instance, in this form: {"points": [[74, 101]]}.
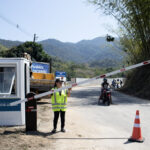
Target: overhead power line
{"points": [[15, 25]]}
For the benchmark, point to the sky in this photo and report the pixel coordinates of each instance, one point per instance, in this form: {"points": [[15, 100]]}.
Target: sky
{"points": [[64, 20]]}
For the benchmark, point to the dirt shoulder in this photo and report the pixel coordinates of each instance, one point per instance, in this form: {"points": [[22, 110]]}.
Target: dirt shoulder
{"points": [[15, 138]]}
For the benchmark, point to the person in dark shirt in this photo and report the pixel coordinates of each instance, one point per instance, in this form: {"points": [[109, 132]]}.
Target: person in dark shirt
{"points": [[105, 85]]}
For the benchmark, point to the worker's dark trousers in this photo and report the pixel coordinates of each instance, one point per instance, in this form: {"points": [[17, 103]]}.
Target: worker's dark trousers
{"points": [[62, 116]]}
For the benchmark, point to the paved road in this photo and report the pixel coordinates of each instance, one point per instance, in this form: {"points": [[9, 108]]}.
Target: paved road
{"points": [[93, 127]]}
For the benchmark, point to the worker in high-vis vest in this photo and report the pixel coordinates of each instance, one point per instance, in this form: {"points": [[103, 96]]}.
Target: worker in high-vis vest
{"points": [[59, 105]]}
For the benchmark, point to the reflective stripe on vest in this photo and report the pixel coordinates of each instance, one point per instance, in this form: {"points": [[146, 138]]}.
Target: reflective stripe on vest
{"points": [[55, 97], [58, 104], [65, 100], [59, 108]]}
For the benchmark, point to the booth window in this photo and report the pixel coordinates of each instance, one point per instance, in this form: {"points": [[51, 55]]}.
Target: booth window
{"points": [[8, 82]]}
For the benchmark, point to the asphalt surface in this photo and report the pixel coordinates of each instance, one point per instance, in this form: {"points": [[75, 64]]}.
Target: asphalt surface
{"points": [[89, 126], [97, 127]]}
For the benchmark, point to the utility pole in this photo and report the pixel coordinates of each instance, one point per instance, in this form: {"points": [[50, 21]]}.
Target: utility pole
{"points": [[50, 63], [35, 38]]}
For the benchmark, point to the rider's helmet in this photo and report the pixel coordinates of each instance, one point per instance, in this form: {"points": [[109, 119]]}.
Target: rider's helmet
{"points": [[105, 80]]}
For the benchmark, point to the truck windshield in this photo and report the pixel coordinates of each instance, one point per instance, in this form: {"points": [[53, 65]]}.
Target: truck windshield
{"points": [[7, 81]]}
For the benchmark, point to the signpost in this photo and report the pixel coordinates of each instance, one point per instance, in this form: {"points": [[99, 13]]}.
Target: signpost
{"points": [[61, 75], [40, 67]]}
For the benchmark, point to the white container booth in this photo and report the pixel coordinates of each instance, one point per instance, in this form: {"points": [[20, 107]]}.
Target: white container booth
{"points": [[14, 85]]}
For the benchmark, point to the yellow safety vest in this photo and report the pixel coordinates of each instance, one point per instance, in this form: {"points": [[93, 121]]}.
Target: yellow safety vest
{"points": [[59, 102]]}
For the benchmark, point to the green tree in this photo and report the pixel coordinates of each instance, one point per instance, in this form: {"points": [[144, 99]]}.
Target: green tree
{"points": [[133, 17], [34, 49], [2, 50]]}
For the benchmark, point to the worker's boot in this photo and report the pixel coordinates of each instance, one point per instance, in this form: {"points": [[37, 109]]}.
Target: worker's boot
{"points": [[63, 130], [53, 131]]}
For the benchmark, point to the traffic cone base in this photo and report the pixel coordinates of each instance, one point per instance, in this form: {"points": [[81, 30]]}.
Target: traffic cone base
{"points": [[136, 134], [136, 140]]}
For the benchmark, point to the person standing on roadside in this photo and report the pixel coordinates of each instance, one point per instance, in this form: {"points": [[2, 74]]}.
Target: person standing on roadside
{"points": [[59, 105]]}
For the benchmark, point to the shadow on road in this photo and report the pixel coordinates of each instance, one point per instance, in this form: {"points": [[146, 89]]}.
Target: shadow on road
{"points": [[128, 142], [23, 132], [90, 97]]}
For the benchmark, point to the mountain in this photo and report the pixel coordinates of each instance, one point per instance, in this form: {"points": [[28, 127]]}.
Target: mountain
{"points": [[9, 44], [85, 51], [96, 52]]}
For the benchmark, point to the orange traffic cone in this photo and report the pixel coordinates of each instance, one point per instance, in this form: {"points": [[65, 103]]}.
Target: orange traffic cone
{"points": [[136, 134]]}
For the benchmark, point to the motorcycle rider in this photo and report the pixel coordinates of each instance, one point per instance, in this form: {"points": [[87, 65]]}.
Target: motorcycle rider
{"points": [[114, 83], [118, 82], [105, 85], [121, 83]]}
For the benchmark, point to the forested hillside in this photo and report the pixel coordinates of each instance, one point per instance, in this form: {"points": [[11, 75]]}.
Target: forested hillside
{"points": [[133, 17], [97, 52], [2, 48], [38, 54], [85, 51], [9, 43]]}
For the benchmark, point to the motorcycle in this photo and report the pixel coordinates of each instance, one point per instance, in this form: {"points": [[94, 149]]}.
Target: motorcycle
{"points": [[106, 97], [113, 86]]}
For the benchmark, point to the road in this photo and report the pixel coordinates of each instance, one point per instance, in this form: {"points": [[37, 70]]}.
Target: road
{"points": [[89, 126], [93, 127]]}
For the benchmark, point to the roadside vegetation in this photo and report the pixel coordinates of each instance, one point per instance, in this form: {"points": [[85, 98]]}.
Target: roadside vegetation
{"points": [[134, 19]]}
